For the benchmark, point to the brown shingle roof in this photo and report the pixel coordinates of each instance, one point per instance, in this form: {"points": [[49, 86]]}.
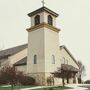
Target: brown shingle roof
{"points": [[12, 51], [41, 10], [67, 67]]}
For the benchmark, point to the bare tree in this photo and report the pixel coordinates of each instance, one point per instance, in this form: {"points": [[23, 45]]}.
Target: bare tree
{"points": [[82, 71], [10, 76], [66, 72], [60, 73]]}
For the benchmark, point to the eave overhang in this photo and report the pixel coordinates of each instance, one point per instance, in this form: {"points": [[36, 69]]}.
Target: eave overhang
{"points": [[33, 28], [42, 9]]}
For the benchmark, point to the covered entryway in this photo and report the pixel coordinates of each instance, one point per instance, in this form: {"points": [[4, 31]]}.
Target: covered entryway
{"points": [[69, 73]]}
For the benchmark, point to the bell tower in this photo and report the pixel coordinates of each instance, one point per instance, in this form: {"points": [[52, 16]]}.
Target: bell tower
{"points": [[43, 45]]}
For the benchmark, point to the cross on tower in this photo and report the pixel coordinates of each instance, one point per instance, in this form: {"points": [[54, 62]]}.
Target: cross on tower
{"points": [[43, 3]]}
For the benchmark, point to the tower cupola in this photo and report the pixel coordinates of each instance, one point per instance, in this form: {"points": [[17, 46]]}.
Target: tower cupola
{"points": [[43, 15]]}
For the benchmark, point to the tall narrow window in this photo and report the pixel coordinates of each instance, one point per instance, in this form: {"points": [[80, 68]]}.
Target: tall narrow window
{"points": [[37, 19], [50, 20], [63, 61], [66, 62], [53, 59], [35, 59]]}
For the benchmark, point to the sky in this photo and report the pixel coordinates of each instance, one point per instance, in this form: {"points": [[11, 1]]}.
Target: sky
{"points": [[73, 20]]}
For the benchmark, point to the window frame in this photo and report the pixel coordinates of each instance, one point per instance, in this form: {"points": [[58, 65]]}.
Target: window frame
{"points": [[53, 59], [63, 60], [50, 20], [35, 59], [37, 19]]}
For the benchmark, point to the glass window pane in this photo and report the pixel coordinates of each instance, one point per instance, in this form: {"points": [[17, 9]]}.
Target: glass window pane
{"points": [[53, 59], [50, 20], [35, 59], [37, 19]]}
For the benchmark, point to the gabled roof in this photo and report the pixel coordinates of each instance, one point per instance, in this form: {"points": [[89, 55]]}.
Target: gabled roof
{"points": [[21, 62], [67, 67], [41, 10], [12, 51], [64, 47]]}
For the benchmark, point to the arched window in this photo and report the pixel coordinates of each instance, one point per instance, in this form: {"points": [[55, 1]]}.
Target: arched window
{"points": [[50, 20], [63, 61], [37, 19], [35, 59], [53, 59], [66, 61]]}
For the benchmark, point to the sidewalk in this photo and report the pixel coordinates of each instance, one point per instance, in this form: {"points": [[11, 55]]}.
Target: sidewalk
{"points": [[37, 87], [76, 87]]}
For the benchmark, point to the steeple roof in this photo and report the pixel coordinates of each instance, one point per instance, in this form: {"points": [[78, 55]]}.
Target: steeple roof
{"points": [[41, 10]]}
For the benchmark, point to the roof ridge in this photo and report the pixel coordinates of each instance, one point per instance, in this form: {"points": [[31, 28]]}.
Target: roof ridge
{"points": [[43, 9], [13, 47], [12, 51]]}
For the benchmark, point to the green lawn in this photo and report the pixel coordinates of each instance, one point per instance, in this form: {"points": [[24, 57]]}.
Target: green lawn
{"points": [[15, 87], [55, 88], [19, 87], [62, 88]]}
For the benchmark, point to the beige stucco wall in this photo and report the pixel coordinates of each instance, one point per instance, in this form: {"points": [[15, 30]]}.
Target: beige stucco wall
{"points": [[44, 43], [36, 47], [18, 56], [13, 59], [39, 78], [22, 68], [64, 54], [57, 81], [51, 48], [43, 18]]}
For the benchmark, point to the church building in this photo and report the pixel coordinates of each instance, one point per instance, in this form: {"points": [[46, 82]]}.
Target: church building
{"points": [[42, 56]]}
